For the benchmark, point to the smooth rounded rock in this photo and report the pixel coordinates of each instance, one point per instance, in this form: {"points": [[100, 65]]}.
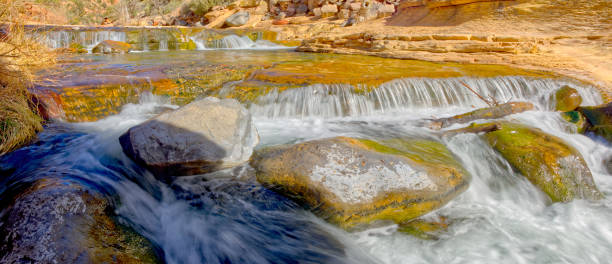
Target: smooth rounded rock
{"points": [[567, 99], [203, 136], [353, 182], [547, 161]]}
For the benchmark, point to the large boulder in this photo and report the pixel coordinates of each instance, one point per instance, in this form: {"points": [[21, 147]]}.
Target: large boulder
{"points": [[567, 99], [549, 163], [61, 221], [353, 182], [111, 46], [599, 120], [203, 136], [493, 112], [237, 19]]}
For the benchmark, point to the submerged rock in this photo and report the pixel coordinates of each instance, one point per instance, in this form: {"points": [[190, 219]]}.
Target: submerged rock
{"points": [[577, 119], [200, 137], [111, 46], [549, 163], [599, 119], [483, 113], [423, 229], [567, 99], [59, 221], [352, 182], [237, 19]]}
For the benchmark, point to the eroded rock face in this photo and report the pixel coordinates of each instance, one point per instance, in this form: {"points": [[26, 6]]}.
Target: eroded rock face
{"points": [[549, 163], [111, 46], [567, 99], [352, 182], [59, 221], [200, 137]]}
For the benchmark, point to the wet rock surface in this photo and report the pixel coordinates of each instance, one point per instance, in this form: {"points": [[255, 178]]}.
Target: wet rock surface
{"points": [[352, 182], [548, 162], [599, 120], [203, 136], [62, 221], [567, 99]]}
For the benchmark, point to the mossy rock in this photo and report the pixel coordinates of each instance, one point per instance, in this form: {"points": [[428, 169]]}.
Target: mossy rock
{"points": [[549, 163], [599, 119], [111, 46], [577, 119], [423, 229], [354, 182], [61, 221], [567, 99]]}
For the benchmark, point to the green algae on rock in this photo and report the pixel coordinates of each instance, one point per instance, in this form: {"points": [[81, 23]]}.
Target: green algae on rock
{"points": [[567, 99], [354, 182], [577, 119], [61, 221], [423, 229], [549, 163]]}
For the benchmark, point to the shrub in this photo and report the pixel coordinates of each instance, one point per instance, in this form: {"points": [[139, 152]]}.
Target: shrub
{"points": [[19, 54]]}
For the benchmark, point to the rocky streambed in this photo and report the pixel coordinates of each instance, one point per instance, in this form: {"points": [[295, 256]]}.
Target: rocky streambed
{"points": [[309, 158]]}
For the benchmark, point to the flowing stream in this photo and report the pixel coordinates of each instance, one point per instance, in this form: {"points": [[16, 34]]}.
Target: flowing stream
{"points": [[228, 217]]}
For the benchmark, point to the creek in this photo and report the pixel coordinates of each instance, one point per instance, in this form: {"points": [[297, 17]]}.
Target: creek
{"points": [[230, 218]]}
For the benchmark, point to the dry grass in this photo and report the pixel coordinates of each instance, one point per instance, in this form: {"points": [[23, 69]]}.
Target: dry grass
{"points": [[19, 55]]}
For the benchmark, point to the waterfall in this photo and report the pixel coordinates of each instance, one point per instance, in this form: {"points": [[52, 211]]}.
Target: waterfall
{"points": [[409, 95], [88, 39], [234, 42]]}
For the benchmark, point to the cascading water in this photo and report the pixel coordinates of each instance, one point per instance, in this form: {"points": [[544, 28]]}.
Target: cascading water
{"points": [[421, 94], [235, 42], [501, 218], [87, 39]]}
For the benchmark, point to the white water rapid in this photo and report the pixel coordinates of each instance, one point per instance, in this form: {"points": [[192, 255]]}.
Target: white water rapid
{"points": [[501, 218]]}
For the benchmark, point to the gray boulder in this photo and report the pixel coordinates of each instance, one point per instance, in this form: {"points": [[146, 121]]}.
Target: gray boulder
{"points": [[204, 136], [237, 19]]}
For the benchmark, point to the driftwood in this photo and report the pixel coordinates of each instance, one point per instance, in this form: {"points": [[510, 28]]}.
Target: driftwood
{"points": [[473, 128], [493, 112]]}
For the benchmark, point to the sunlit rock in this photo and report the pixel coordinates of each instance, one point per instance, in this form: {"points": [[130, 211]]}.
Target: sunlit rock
{"points": [[547, 161], [237, 19], [200, 137], [111, 46], [59, 221], [567, 99], [353, 182]]}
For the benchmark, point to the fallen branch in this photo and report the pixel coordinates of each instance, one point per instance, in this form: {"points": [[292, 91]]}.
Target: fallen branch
{"points": [[491, 101]]}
